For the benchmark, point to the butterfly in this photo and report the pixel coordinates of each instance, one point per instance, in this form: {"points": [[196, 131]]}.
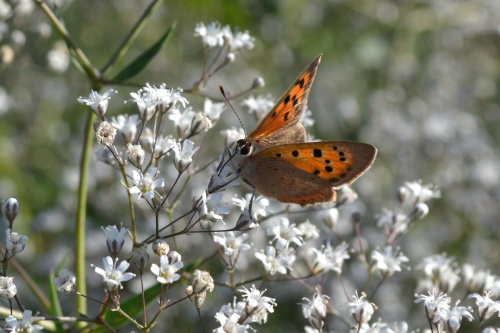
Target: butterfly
{"points": [[275, 159]]}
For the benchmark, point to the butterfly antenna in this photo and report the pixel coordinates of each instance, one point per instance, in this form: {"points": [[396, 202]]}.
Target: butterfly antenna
{"points": [[228, 102]]}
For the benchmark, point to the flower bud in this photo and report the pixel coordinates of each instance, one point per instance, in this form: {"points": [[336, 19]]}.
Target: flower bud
{"points": [[10, 208], [161, 247], [403, 194], [140, 257], [258, 82], [420, 211]]}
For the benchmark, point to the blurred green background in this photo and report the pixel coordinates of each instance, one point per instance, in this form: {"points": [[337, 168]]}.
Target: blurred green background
{"points": [[417, 79]]}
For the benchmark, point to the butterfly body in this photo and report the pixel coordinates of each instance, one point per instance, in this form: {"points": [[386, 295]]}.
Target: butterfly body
{"points": [[276, 160]]}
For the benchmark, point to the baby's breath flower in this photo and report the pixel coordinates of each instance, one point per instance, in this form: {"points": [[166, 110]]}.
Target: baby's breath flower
{"points": [[486, 307], [126, 126], [441, 269], [308, 230], [98, 103], [238, 40], [14, 244], [7, 287], [140, 257], [232, 244], [135, 155], [202, 282], [65, 282], [169, 265], [259, 204], [115, 239], [256, 305], [163, 98], [315, 310], [361, 310], [329, 258], [246, 221], [145, 184], [161, 247], [345, 196], [329, 217], [145, 105], [230, 323], [223, 176], [10, 209], [184, 155], [232, 135], [422, 193], [22, 325], [105, 134], [211, 208], [456, 315], [114, 276], [211, 34], [387, 261], [285, 233], [437, 309], [164, 145], [259, 106], [213, 110], [276, 262]]}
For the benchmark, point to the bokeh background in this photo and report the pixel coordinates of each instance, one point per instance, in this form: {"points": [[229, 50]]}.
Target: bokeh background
{"points": [[417, 79]]}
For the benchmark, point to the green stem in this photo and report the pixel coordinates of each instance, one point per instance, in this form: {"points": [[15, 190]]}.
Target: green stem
{"points": [[92, 73], [130, 203], [80, 266]]}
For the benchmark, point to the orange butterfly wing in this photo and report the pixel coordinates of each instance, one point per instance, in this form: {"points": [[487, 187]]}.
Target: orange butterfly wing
{"points": [[288, 110], [307, 173]]}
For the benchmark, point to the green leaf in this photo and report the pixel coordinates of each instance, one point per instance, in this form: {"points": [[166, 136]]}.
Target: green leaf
{"points": [[138, 64], [55, 305]]}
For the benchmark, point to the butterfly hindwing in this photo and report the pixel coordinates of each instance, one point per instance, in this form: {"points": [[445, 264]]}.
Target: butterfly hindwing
{"points": [[290, 107], [338, 162]]}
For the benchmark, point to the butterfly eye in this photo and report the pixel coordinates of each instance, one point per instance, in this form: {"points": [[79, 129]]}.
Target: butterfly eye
{"points": [[240, 143], [246, 149]]}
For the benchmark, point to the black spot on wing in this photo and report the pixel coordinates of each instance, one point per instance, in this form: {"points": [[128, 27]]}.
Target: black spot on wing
{"points": [[295, 153], [317, 153]]}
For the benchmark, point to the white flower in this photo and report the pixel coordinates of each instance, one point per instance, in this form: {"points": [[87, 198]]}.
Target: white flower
{"points": [[135, 155], [238, 39], [105, 134], [14, 244], [256, 305], [164, 145], [259, 105], [24, 325], [169, 265], [114, 276], [246, 221], [202, 282], [437, 309], [10, 209], [387, 261], [211, 34], [145, 105], [329, 217], [115, 239], [189, 123], [441, 269], [232, 135], [211, 209], [213, 110], [284, 234], [422, 193], [329, 258], [184, 155], [361, 310], [259, 204], [229, 324], [145, 184], [65, 282], [223, 176], [276, 263], [308, 230], [126, 125], [7, 287], [232, 245], [315, 309], [163, 98], [486, 307], [456, 315], [98, 103]]}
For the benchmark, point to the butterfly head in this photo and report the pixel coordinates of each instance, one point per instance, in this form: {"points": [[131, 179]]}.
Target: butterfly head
{"points": [[244, 147]]}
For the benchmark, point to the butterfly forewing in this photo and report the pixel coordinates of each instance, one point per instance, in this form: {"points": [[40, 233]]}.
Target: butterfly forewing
{"points": [[338, 162], [290, 107]]}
